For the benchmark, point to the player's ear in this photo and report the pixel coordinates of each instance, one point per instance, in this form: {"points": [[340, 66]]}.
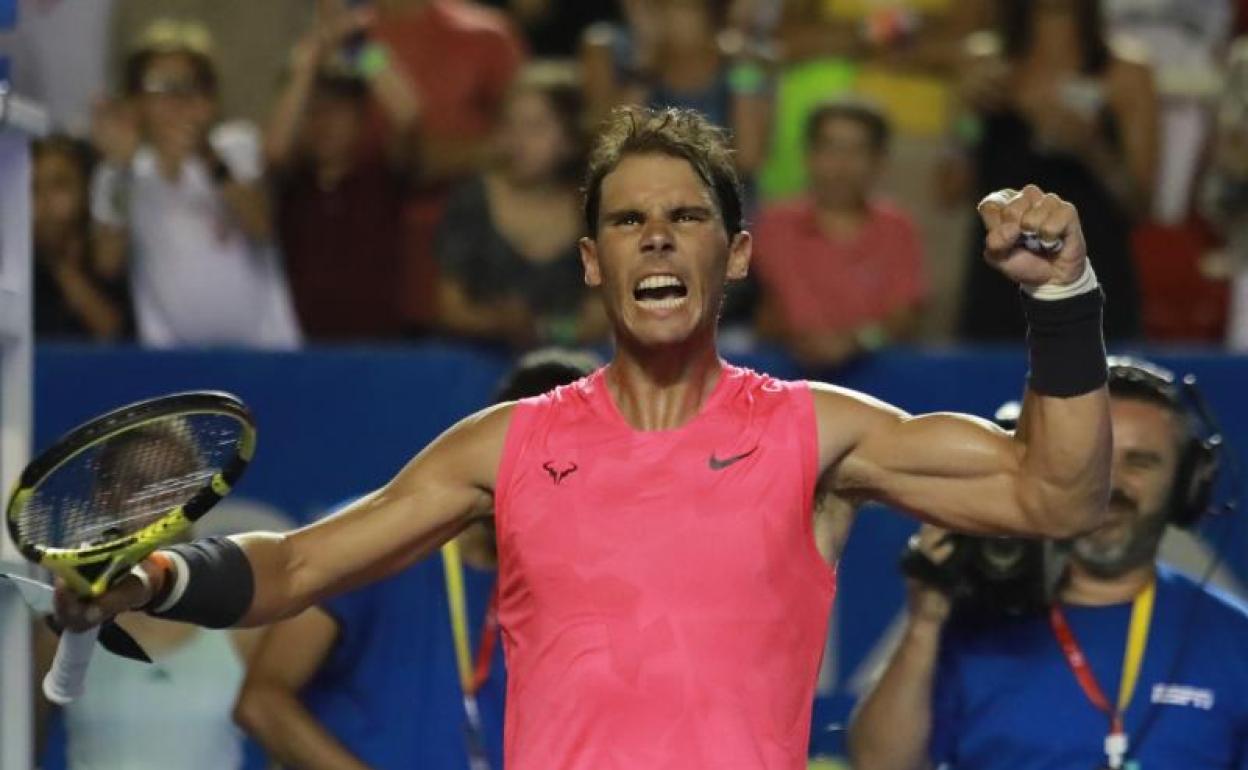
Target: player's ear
{"points": [[739, 253], [589, 260]]}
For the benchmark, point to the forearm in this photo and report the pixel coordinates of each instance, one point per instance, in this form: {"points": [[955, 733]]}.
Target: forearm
{"points": [[459, 314], [287, 117], [1064, 427], [97, 311], [251, 207], [289, 732], [1131, 186], [751, 123], [892, 725], [397, 97]]}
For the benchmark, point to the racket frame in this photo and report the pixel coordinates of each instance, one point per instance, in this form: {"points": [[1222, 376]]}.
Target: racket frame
{"points": [[127, 551]]}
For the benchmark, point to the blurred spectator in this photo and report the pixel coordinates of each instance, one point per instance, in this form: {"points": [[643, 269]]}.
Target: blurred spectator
{"points": [[507, 248], [180, 703], [255, 38], [553, 28], [1186, 42], [461, 57], [339, 197], [842, 271], [1054, 104], [58, 58], [1226, 188], [72, 300], [170, 714], [346, 684], [900, 54], [674, 53], [184, 195]]}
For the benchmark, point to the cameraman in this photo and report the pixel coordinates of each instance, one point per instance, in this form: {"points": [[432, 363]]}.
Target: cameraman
{"points": [[1046, 689]]}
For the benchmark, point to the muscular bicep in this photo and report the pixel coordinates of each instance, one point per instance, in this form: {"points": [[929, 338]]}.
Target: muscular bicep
{"points": [[956, 470], [430, 500]]}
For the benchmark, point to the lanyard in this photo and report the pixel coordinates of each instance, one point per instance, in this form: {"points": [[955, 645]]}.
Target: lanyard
{"points": [[472, 677], [1133, 657]]}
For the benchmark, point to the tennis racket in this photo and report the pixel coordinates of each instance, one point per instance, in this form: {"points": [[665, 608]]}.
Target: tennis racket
{"points": [[113, 490]]}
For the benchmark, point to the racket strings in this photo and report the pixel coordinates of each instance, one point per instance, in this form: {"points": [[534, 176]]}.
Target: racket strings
{"points": [[129, 480]]}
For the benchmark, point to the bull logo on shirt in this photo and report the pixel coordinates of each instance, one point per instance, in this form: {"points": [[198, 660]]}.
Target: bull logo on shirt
{"points": [[557, 475]]}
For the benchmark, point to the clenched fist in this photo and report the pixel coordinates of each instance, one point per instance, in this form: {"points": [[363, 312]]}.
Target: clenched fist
{"points": [[1034, 237]]}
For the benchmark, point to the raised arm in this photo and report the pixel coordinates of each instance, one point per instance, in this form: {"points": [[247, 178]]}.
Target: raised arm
{"points": [[1051, 478], [261, 577]]}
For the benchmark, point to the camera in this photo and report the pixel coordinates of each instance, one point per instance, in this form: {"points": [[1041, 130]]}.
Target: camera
{"points": [[1009, 576], [984, 576]]}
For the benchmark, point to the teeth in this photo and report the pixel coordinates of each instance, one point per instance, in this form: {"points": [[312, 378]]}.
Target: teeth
{"points": [[663, 304], [659, 282]]}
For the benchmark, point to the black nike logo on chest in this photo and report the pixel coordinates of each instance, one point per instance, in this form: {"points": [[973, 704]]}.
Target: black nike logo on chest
{"points": [[718, 464]]}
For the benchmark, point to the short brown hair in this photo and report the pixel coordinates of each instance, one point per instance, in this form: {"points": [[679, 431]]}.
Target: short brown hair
{"points": [[674, 132]]}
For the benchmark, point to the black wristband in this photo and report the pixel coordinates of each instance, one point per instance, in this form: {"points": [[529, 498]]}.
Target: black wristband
{"points": [[216, 588], [1066, 348]]}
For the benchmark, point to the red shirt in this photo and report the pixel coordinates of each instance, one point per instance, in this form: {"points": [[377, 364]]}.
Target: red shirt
{"points": [[461, 58], [342, 250], [825, 284], [662, 602]]}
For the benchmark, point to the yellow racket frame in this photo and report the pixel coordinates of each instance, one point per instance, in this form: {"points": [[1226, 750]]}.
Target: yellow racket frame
{"points": [[125, 552]]}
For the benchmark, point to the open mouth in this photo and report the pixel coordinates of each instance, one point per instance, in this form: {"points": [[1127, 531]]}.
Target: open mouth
{"points": [[660, 292]]}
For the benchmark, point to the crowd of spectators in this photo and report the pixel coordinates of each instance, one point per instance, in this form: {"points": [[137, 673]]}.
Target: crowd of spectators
{"points": [[301, 171]]}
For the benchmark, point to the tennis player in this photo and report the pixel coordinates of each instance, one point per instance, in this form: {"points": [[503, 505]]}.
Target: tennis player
{"points": [[662, 600]]}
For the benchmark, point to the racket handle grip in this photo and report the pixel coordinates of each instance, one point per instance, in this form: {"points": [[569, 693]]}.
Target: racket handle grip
{"points": [[64, 682]]}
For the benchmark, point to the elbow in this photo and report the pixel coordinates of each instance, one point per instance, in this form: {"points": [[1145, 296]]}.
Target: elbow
{"points": [[1062, 512], [250, 709], [864, 753]]}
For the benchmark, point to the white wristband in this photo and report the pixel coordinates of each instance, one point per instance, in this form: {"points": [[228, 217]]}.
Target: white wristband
{"points": [[1082, 285]]}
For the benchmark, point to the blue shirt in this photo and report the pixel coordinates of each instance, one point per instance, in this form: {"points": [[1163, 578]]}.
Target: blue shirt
{"points": [[1005, 696], [389, 690]]}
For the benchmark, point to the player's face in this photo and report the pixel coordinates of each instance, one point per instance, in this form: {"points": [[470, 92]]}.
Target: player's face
{"points": [[661, 255], [1146, 455]]}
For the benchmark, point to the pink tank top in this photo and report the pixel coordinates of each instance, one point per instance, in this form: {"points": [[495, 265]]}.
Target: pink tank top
{"points": [[662, 602]]}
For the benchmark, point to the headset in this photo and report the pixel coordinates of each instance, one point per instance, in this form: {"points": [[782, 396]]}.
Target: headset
{"points": [[1200, 458]]}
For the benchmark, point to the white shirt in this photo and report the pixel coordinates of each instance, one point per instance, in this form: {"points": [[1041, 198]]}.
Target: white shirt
{"points": [[197, 279], [172, 714]]}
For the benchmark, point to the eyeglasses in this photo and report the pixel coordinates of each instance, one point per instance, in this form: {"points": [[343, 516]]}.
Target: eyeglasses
{"points": [[182, 89]]}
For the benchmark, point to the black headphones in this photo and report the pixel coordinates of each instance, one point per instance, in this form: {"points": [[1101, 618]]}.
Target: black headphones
{"points": [[1200, 457]]}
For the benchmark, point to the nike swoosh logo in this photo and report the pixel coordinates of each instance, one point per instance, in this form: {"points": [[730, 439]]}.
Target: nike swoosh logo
{"points": [[718, 464]]}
